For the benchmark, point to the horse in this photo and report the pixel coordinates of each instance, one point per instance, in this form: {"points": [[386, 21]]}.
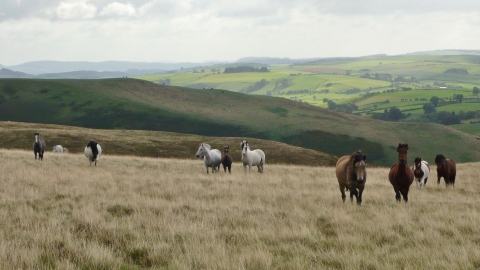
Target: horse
{"points": [[421, 172], [252, 158], [352, 174], [227, 159], [447, 169], [58, 148], [93, 151], [401, 175], [211, 157], [39, 146]]}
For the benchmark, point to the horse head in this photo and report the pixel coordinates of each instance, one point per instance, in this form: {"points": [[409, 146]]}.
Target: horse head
{"points": [[439, 159], [201, 150], [358, 159], [417, 167], [244, 148], [402, 150], [225, 149], [37, 135]]}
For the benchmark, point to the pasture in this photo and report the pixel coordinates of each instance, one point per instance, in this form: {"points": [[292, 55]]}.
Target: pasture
{"points": [[137, 213]]}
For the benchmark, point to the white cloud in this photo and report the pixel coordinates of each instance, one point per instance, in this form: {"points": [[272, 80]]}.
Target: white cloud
{"points": [[119, 9], [76, 10]]}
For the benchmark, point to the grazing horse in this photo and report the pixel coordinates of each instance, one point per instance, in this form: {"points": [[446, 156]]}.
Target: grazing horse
{"points": [[352, 174], [93, 151], [58, 148], [211, 157], [39, 146], [401, 175], [447, 169], [421, 172], [227, 159], [252, 158]]}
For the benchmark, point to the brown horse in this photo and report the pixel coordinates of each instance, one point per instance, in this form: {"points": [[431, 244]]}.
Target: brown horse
{"points": [[447, 169], [227, 159], [401, 175], [352, 174]]}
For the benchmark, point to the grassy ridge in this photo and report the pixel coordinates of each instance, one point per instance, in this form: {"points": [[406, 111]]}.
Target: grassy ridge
{"points": [[157, 144], [138, 104], [144, 213]]}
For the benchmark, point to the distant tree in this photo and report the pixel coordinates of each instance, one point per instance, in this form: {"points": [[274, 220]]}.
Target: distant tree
{"points": [[434, 100], [348, 72], [429, 108], [447, 118], [325, 100], [332, 105], [459, 98], [395, 114], [476, 90]]}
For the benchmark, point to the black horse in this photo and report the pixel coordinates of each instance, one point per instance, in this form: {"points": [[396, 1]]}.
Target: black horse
{"points": [[39, 146], [227, 159]]}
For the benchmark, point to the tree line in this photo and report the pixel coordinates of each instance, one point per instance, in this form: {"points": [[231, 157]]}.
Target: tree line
{"points": [[239, 69]]}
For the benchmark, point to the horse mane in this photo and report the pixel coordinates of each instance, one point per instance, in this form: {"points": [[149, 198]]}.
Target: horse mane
{"points": [[207, 146], [440, 158], [401, 145], [357, 156]]}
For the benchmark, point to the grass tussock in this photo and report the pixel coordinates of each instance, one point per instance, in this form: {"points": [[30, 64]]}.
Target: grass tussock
{"points": [[145, 213]]}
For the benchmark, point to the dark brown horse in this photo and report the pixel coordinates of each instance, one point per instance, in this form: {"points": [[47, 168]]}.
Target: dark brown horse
{"points": [[352, 174], [401, 175], [447, 169], [227, 159]]}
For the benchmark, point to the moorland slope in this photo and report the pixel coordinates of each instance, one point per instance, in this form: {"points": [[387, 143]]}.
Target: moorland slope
{"points": [[141, 105]]}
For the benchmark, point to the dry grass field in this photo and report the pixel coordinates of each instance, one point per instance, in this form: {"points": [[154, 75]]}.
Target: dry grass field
{"points": [[153, 213]]}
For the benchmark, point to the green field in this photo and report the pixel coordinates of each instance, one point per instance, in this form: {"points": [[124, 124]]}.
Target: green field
{"points": [[331, 74], [141, 105], [319, 81]]}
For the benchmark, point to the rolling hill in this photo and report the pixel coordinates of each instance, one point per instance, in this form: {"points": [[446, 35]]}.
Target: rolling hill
{"points": [[141, 105], [16, 135]]}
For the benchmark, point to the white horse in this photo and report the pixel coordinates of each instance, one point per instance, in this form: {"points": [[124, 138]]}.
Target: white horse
{"points": [[93, 151], [211, 157], [421, 172], [252, 158], [58, 148]]}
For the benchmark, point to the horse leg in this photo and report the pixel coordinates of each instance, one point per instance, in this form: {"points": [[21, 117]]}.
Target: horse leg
{"points": [[230, 168], [245, 168], [397, 194], [452, 179], [342, 190], [353, 191], [404, 192], [360, 192]]}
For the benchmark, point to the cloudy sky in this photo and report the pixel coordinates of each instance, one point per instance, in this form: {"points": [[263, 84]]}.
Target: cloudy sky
{"points": [[225, 30]]}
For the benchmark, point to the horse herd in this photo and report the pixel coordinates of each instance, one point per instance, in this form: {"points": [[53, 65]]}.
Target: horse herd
{"points": [[212, 158], [92, 151], [350, 170], [352, 174]]}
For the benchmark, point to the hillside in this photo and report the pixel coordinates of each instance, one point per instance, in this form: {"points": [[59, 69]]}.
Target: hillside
{"points": [[154, 213], [141, 105], [14, 135]]}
